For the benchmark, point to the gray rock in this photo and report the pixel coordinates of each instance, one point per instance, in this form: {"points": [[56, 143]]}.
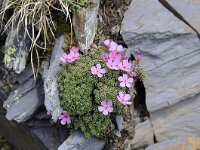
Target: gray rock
{"points": [[48, 135], [85, 25], [52, 102], [171, 53], [17, 49], [25, 75], [119, 121], [24, 101], [77, 141], [189, 10], [120, 125], [182, 143], [178, 120], [19, 136], [143, 135]]}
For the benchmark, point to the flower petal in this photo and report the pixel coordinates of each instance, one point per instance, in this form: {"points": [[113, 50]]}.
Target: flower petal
{"points": [[104, 103], [128, 85], [99, 75], [101, 108], [98, 66], [103, 71], [130, 80], [109, 104], [63, 121], [125, 76], [94, 70], [68, 120], [127, 97], [61, 117], [122, 84], [121, 79], [105, 112], [110, 109]]}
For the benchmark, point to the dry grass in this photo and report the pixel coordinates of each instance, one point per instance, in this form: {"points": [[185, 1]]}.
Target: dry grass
{"points": [[36, 17]]}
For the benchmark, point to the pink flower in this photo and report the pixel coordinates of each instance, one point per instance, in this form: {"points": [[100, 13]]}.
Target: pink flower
{"points": [[65, 118], [113, 65], [74, 49], [113, 46], [72, 56], [106, 107], [138, 57], [105, 57], [98, 71], [125, 65], [107, 43], [132, 74], [119, 48], [124, 98], [125, 81], [126, 58], [63, 58], [116, 57]]}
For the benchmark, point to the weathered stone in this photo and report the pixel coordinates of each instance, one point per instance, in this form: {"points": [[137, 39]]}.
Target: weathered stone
{"points": [[143, 135], [85, 25], [25, 75], [178, 120], [17, 49], [48, 134], [171, 53], [77, 141], [24, 101], [52, 102], [181, 143], [120, 125], [189, 10], [18, 135]]}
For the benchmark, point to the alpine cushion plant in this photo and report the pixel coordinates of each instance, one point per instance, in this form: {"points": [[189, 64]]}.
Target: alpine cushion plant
{"points": [[94, 88]]}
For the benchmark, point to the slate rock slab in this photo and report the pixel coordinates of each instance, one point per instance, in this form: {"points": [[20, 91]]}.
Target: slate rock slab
{"points": [[24, 100], [178, 120], [85, 25], [77, 141], [182, 143], [48, 134], [189, 10], [52, 101], [19, 41], [143, 135], [171, 52]]}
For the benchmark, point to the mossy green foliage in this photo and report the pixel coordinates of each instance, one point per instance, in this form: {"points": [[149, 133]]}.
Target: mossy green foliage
{"points": [[81, 93]]}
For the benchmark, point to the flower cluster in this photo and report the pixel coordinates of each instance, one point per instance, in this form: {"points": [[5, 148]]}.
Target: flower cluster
{"points": [[95, 87], [71, 57], [116, 60]]}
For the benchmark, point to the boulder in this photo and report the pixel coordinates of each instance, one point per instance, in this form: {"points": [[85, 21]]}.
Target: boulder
{"points": [[189, 10], [178, 120], [143, 135], [24, 100], [85, 25], [182, 143], [77, 141], [52, 101], [47, 133], [17, 48], [171, 52], [170, 49]]}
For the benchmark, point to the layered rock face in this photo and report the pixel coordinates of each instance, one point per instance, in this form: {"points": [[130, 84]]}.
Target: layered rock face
{"points": [[166, 33]]}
